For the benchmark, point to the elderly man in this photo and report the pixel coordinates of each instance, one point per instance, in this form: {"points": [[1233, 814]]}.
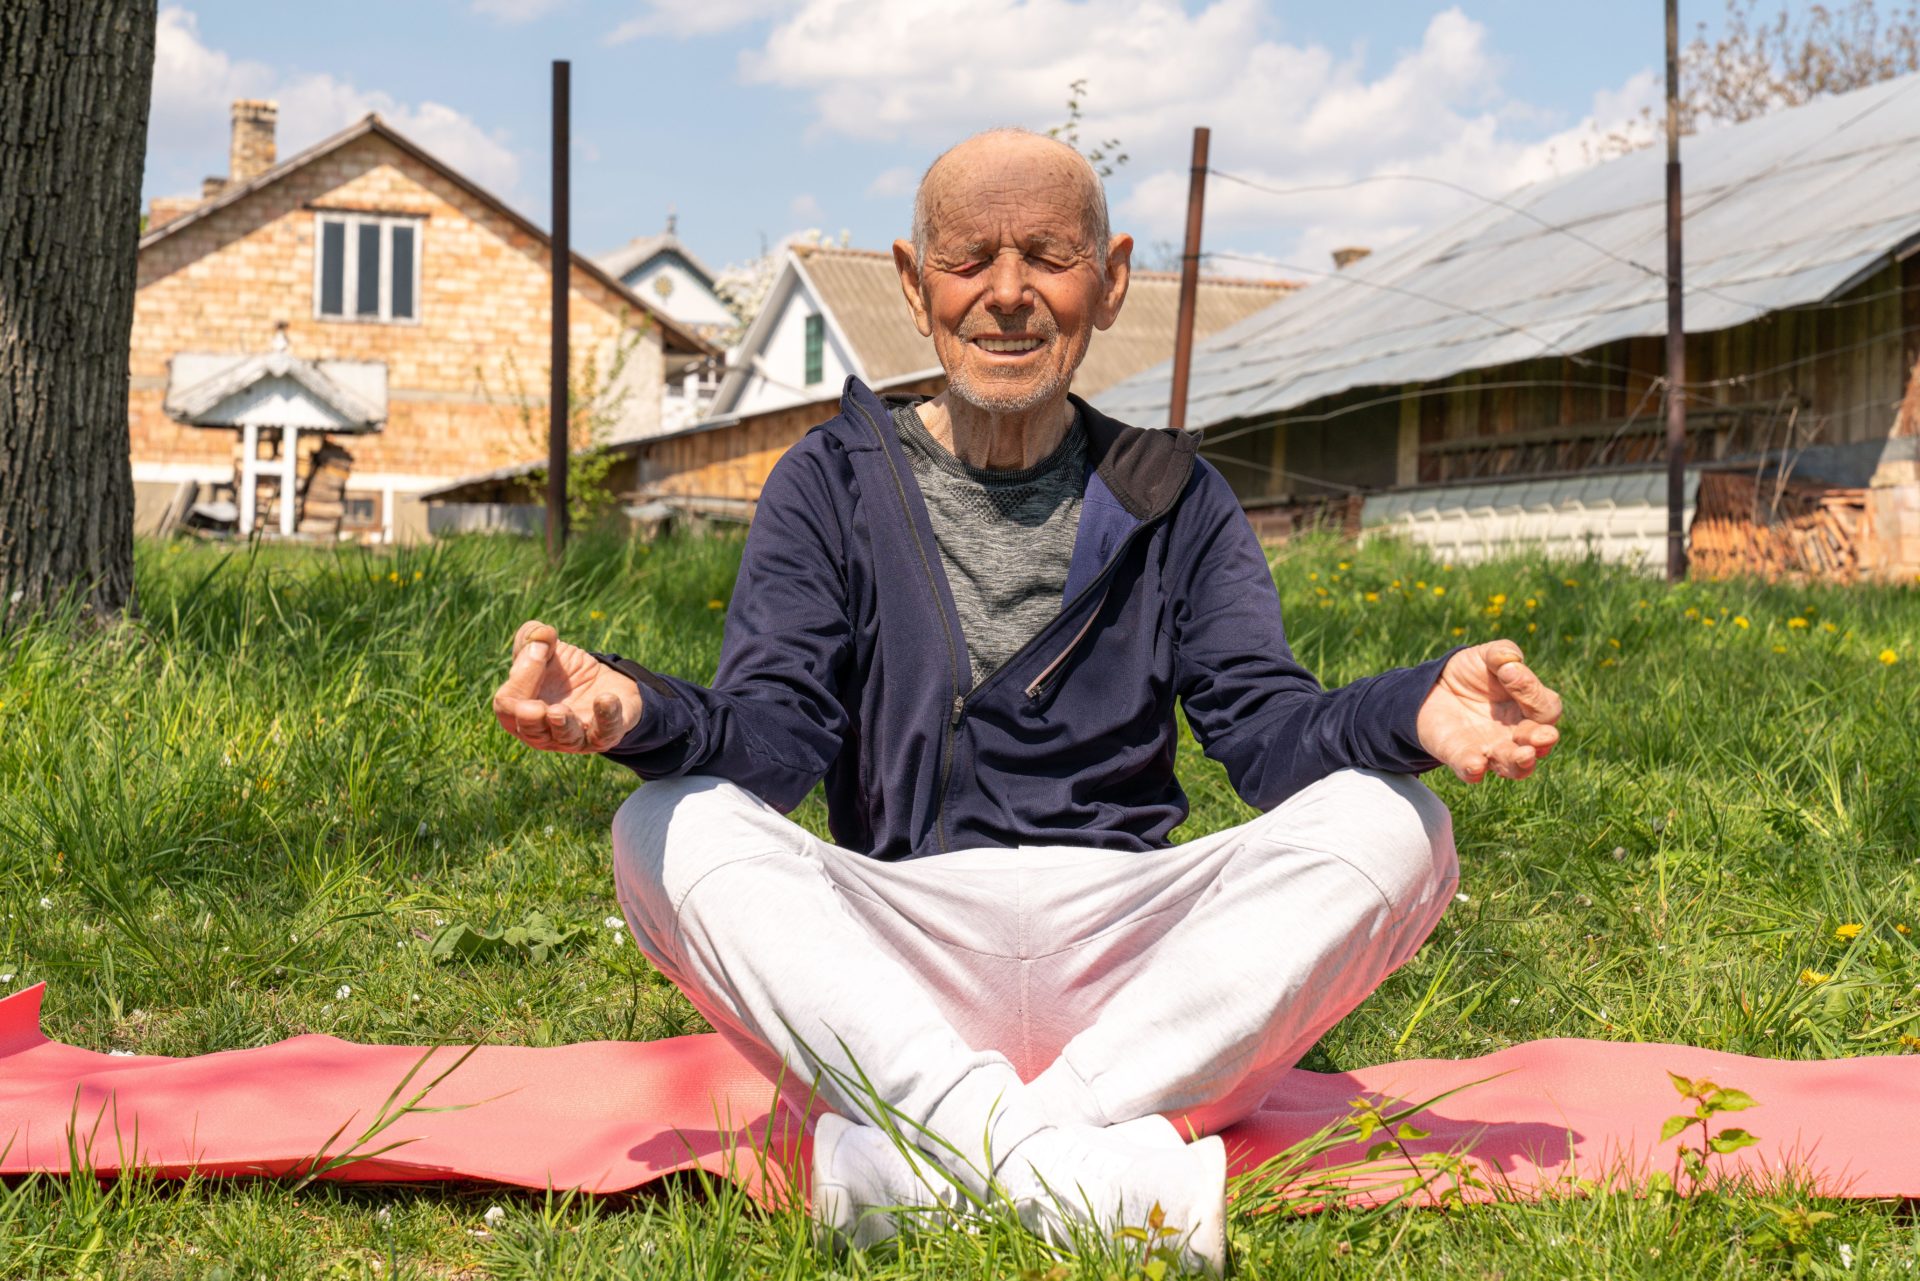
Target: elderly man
{"points": [[973, 617]]}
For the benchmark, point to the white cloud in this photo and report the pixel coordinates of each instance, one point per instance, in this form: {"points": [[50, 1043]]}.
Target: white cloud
{"points": [[898, 181], [515, 12], [804, 208], [1283, 114], [194, 87], [694, 17]]}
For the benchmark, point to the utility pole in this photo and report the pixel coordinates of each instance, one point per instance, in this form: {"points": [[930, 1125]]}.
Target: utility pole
{"points": [[562, 259], [1676, 321], [1189, 283]]}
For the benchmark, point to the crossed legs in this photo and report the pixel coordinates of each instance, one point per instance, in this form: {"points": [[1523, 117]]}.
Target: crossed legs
{"points": [[1180, 982]]}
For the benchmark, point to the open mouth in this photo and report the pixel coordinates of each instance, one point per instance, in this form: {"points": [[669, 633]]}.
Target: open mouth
{"points": [[1009, 346]]}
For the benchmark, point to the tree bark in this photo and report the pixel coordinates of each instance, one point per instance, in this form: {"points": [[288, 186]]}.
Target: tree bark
{"points": [[75, 79]]}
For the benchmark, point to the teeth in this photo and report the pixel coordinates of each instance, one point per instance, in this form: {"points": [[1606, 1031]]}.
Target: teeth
{"points": [[1009, 344]]}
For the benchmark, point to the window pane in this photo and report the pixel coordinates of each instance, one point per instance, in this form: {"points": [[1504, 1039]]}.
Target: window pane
{"points": [[333, 268], [368, 270], [816, 342], [401, 261]]}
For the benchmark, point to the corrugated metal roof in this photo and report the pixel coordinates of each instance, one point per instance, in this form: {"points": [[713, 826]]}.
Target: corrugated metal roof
{"points": [[1781, 211], [862, 289]]}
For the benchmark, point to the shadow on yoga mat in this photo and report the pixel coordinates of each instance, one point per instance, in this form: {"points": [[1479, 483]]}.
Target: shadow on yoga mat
{"points": [[607, 1116]]}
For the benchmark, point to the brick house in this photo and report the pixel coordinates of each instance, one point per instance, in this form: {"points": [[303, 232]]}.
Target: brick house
{"points": [[364, 250]]}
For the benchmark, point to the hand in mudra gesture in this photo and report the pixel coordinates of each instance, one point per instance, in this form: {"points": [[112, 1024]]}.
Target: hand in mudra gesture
{"points": [[1488, 711], [560, 698]]}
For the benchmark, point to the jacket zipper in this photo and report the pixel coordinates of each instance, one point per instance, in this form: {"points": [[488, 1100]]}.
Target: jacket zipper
{"points": [[1038, 684], [946, 626]]}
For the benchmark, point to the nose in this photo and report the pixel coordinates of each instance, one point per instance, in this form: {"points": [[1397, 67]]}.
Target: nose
{"points": [[1007, 283]]}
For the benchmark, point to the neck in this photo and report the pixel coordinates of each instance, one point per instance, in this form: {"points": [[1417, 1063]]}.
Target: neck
{"points": [[995, 441]]}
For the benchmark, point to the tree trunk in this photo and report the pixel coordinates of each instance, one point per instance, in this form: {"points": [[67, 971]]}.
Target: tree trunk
{"points": [[75, 79]]}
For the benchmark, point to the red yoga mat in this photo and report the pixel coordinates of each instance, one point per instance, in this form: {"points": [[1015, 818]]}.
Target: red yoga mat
{"points": [[607, 1116]]}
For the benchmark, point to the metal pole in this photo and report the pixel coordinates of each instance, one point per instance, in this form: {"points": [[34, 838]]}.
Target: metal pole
{"points": [[1676, 321], [1189, 283], [562, 271]]}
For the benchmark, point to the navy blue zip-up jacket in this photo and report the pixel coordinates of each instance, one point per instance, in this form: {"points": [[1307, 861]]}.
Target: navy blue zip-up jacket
{"points": [[843, 658]]}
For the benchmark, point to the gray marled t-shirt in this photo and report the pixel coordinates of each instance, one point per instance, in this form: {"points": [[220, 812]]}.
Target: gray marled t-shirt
{"points": [[1006, 537]]}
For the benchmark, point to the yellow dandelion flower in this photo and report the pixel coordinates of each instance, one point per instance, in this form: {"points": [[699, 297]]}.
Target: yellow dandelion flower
{"points": [[1420, 584], [418, 575], [1532, 627], [1614, 641], [1779, 649], [1639, 604], [1344, 565], [596, 615], [1797, 624], [716, 604], [1314, 576], [1607, 662], [1901, 929], [1847, 933], [1394, 586], [1888, 657], [1372, 597], [393, 576], [1533, 602], [1813, 978], [1828, 628], [1691, 613], [1459, 631], [1810, 610], [1740, 621], [1708, 622], [1498, 598], [1567, 637], [1319, 591], [1569, 582], [1909, 1042], [1446, 569], [1439, 591]]}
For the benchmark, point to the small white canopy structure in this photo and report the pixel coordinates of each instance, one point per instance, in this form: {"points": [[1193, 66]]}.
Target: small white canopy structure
{"points": [[281, 392]]}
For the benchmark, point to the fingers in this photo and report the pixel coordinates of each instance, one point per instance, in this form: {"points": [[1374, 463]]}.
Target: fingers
{"points": [[1529, 691], [606, 722], [534, 630], [530, 723], [564, 730]]}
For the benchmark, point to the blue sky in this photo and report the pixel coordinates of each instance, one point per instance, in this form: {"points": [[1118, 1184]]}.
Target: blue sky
{"points": [[755, 118]]}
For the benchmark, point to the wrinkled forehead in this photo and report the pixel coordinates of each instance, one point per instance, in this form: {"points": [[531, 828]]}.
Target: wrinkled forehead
{"points": [[1019, 195]]}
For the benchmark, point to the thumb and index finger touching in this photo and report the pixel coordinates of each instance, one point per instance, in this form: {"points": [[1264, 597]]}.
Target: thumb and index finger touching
{"points": [[532, 647]]}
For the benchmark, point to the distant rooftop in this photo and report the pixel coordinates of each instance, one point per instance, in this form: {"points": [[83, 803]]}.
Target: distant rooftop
{"points": [[1789, 209]]}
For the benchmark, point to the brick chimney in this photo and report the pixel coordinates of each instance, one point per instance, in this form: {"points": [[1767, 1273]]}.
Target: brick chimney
{"points": [[252, 151], [1345, 258]]}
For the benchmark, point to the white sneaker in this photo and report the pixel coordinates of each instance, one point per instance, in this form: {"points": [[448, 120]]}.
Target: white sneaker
{"points": [[1087, 1178], [861, 1179]]}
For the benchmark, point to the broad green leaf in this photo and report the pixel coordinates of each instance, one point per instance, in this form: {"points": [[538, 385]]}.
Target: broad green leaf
{"points": [[1732, 1140], [1733, 1101], [1682, 1084], [1674, 1125]]}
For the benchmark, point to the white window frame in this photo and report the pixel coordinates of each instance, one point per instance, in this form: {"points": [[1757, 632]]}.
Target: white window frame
{"points": [[350, 278]]}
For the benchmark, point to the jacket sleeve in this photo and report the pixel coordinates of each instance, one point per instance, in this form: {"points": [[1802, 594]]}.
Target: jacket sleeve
{"points": [[772, 721], [1252, 707]]}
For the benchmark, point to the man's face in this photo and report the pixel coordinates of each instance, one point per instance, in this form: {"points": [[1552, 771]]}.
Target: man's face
{"points": [[1012, 285]]}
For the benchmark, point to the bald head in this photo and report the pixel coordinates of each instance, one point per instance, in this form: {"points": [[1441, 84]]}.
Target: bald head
{"points": [[1004, 157]]}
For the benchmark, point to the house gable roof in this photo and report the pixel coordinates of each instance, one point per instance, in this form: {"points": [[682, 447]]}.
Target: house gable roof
{"points": [[1790, 209], [213, 389], [643, 249], [675, 336]]}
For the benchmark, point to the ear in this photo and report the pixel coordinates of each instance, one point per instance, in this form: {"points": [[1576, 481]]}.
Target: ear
{"points": [[1119, 272], [909, 268]]}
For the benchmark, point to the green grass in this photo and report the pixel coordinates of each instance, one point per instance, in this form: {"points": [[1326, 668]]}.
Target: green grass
{"points": [[280, 782]]}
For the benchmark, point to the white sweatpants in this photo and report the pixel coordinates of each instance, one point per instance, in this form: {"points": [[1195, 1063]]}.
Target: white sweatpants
{"points": [[1180, 981]]}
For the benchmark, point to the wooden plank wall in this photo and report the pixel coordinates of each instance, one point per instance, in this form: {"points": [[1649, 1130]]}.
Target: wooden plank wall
{"points": [[729, 465], [1848, 359]]}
